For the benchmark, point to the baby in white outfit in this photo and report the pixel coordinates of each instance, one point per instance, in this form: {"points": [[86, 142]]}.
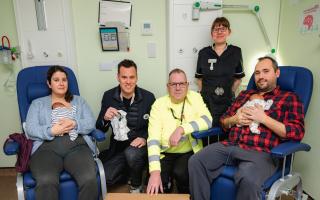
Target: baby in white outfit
{"points": [[259, 100], [60, 111], [119, 126]]}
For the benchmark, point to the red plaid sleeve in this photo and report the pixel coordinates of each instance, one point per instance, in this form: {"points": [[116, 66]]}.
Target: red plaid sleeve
{"points": [[294, 120]]}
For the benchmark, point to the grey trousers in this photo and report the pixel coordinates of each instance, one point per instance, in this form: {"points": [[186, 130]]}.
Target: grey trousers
{"points": [[253, 169], [60, 154]]}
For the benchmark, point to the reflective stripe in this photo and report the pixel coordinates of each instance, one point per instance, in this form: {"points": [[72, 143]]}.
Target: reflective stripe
{"points": [[154, 158], [194, 126], [156, 143], [194, 143], [207, 120], [153, 142]]}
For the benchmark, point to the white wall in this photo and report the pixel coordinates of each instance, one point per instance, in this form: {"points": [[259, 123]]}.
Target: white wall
{"points": [[304, 50], [151, 71], [247, 33], [9, 114]]}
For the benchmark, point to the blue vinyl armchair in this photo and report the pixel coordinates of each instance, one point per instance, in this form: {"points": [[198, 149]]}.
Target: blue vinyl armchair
{"points": [[284, 181], [31, 84]]}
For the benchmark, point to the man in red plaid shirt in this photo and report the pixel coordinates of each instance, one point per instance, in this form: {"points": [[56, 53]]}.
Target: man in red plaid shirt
{"points": [[250, 151]]}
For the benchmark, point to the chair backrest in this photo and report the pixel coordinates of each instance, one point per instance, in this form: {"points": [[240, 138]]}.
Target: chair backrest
{"points": [[32, 84], [295, 79]]}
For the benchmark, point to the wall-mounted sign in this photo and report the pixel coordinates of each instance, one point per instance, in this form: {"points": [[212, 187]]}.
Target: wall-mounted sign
{"points": [[310, 20], [114, 10]]}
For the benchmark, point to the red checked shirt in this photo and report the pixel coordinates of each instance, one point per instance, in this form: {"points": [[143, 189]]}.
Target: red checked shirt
{"points": [[286, 108]]}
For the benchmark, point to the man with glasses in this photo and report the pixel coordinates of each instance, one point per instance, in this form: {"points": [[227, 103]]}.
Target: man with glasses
{"points": [[170, 145]]}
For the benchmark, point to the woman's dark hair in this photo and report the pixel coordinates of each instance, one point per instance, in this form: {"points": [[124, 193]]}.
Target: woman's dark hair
{"points": [[56, 68], [220, 21]]}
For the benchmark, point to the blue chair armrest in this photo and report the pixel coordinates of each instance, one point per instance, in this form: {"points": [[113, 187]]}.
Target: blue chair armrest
{"points": [[11, 147], [288, 148], [210, 132], [98, 135]]}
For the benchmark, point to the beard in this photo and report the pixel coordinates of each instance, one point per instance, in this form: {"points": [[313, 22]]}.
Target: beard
{"points": [[264, 87]]}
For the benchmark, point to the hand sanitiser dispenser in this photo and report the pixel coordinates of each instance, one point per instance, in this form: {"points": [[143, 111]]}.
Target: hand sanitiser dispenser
{"points": [[5, 51]]}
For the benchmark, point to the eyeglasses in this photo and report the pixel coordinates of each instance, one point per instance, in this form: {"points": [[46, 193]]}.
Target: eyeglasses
{"points": [[180, 84], [221, 30]]}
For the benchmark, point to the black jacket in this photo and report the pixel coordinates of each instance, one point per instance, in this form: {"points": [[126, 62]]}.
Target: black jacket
{"points": [[141, 107]]}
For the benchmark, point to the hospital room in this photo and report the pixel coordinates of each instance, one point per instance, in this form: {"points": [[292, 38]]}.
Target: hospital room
{"points": [[159, 99]]}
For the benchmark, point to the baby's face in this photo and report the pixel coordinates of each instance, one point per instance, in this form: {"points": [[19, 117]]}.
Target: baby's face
{"points": [[57, 105], [256, 96]]}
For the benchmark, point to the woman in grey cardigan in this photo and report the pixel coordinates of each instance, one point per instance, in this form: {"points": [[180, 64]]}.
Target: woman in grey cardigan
{"points": [[53, 151]]}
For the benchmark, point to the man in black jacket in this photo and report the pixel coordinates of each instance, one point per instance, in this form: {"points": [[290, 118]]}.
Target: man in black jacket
{"points": [[126, 157]]}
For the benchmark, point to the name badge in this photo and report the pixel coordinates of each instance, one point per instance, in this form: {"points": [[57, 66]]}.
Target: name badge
{"points": [[211, 61]]}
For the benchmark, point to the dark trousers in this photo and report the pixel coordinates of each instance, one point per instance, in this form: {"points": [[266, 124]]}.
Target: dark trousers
{"points": [[60, 154], [129, 162], [175, 166], [253, 169]]}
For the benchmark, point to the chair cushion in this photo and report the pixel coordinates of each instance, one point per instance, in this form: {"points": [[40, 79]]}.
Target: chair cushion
{"points": [[228, 171], [287, 80], [36, 90], [29, 182]]}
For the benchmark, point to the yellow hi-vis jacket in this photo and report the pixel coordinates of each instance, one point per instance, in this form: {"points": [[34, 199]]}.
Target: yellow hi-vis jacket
{"points": [[165, 118]]}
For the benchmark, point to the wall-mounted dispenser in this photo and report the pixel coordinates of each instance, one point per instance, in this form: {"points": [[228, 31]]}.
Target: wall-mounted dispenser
{"points": [[41, 15], [5, 51]]}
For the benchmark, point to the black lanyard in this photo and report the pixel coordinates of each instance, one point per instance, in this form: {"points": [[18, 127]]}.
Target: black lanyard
{"points": [[181, 115]]}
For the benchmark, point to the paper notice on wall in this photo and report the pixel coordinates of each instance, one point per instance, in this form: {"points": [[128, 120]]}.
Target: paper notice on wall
{"points": [[110, 11], [310, 20]]}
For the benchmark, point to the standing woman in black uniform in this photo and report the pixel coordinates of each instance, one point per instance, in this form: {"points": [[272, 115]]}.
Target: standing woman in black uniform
{"points": [[219, 67]]}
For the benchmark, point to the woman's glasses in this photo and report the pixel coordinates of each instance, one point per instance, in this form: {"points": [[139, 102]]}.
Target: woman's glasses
{"points": [[221, 30]]}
